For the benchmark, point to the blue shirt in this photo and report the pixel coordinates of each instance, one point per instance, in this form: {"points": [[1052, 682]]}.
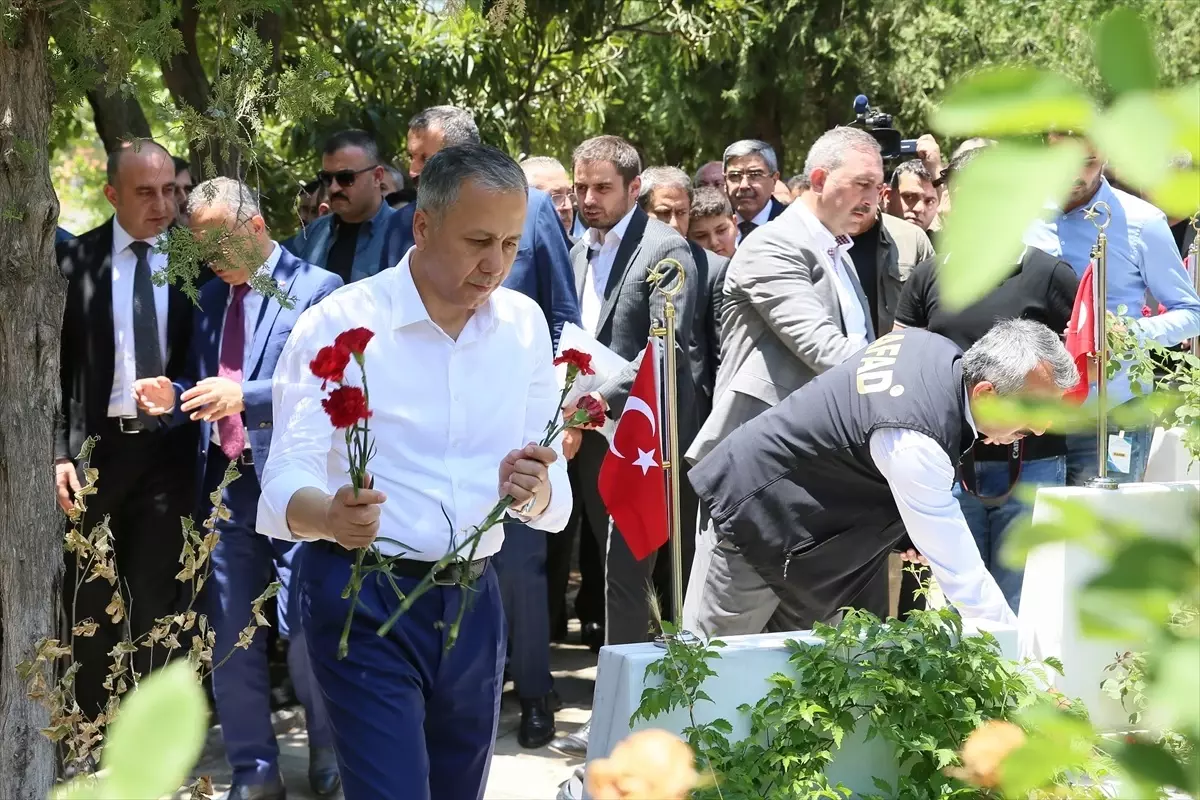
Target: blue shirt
{"points": [[1142, 256], [313, 244]]}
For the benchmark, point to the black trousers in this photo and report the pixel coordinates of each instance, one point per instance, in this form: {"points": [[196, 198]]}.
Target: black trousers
{"points": [[589, 603], [146, 485]]}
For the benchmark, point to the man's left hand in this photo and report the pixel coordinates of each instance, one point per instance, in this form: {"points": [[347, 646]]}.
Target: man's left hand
{"points": [[212, 399], [524, 474]]}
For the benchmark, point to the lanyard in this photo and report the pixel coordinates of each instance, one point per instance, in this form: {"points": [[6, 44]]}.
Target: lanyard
{"points": [[969, 480]]}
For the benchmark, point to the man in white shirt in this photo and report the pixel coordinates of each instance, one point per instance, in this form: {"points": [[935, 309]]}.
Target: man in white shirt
{"points": [[815, 492], [461, 388], [119, 325], [793, 308]]}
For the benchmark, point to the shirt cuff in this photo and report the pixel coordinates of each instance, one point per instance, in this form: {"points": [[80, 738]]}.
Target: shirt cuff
{"points": [[558, 512], [273, 503]]}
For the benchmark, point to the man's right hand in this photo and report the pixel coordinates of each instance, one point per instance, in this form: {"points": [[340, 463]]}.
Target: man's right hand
{"points": [[353, 521], [571, 439], [66, 482]]}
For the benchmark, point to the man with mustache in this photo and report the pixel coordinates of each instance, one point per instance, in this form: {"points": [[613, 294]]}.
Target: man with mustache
{"points": [[349, 241], [751, 172], [794, 308]]}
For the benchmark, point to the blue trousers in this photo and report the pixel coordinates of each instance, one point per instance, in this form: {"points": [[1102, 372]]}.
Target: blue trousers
{"points": [[244, 562], [521, 568], [410, 721], [990, 524]]}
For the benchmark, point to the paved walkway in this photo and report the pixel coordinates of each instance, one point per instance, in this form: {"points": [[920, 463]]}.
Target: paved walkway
{"points": [[517, 774]]}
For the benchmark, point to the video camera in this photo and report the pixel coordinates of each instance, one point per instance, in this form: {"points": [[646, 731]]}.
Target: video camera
{"points": [[879, 125]]}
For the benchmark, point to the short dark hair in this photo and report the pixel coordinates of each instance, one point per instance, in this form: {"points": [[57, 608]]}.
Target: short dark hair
{"points": [[447, 170], [798, 182], [113, 166], [709, 201], [613, 149], [911, 167], [181, 164], [353, 138], [456, 124], [957, 163]]}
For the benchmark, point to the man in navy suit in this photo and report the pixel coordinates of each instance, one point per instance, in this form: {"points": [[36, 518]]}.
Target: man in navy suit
{"points": [[542, 272], [236, 341], [751, 171]]}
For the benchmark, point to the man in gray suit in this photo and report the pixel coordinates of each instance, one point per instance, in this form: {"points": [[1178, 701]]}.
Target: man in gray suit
{"points": [[611, 262], [794, 309]]}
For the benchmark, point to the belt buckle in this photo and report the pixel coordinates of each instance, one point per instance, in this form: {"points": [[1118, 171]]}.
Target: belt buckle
{"points": [[246, 459], [131, 422], [449, 576]]}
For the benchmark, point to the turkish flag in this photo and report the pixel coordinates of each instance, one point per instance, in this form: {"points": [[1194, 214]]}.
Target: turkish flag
{"points": [[1083, 334], [632, 483]]}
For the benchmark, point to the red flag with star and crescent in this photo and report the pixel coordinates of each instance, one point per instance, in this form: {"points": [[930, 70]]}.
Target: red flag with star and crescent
{"points": [[632, 483], [1083, 335]]}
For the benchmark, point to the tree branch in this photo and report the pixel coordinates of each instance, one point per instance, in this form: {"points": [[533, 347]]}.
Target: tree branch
{"points": [[118, 117]]}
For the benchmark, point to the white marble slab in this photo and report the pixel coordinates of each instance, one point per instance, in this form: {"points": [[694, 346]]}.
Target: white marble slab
{"points": [[1054, 573]]}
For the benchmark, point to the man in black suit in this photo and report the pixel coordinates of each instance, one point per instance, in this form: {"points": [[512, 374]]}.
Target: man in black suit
{"points": [[119, 326], [751, 171]]}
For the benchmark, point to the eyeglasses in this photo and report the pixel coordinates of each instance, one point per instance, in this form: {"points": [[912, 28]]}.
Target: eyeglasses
{"points": [[754, 175], [560, 198], [344, 177]]}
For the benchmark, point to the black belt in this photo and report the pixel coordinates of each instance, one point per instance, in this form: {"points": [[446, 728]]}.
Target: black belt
{"points": [[457, 572], [131, 425]]}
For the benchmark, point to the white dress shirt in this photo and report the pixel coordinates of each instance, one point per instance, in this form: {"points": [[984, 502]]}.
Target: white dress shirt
{"points": [[251, 306], [759, 219], [921, 478], [445, 413], [599, 268], [837, 249], [124, 264]]}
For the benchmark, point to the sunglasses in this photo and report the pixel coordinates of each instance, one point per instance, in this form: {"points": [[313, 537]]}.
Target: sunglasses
{"points": [[344, 177]]}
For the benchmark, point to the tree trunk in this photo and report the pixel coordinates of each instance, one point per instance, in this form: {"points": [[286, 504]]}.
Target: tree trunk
{"points": [[118, 118], [31, 296]]}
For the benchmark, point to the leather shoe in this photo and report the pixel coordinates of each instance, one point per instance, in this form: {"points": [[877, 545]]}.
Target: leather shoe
{"points": [[537, 724], [592, 634], [323, 774], [257, 791], [574, 744]]}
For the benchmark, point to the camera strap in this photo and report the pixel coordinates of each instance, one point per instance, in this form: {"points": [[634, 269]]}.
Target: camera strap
{"points": [[969, 480]]}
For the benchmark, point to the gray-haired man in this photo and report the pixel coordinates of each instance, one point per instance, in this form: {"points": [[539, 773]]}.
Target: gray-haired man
{"points": [[751, 171], [463, 382], [814, 493]]}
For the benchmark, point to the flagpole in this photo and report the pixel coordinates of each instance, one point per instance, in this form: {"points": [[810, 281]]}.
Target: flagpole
{"points": [[671, 462], [1100, 311], [1193, 259]]}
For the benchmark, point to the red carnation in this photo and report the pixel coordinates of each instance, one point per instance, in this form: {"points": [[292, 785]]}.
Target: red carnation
{"points": [[355, 340], [578, 359], [330, 364], [594, 410], [345, 406]]}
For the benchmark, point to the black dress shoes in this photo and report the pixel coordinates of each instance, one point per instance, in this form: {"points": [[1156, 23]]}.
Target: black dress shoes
{"points": [[258, 791], [592, 634], [537, 724], [323, 774]]}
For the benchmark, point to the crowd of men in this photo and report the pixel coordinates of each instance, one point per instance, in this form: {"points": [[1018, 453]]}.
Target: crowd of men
{"points": [[795, 294]]}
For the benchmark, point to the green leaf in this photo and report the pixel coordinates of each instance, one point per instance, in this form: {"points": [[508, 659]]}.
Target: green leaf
{"points": [[1138, 137], [1182, 105], [1151, 766], [1178, 194], [1056, 741], [1027, 178], [1124, 52], [1054, 664], [1011, 101], [1174, 695], [157, 738], [1134, 596]]}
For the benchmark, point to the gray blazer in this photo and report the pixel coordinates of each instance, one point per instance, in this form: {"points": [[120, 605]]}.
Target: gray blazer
{"points": [[630, 303], [781, 324]]}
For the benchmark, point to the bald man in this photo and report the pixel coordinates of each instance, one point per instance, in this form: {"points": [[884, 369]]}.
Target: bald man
{"points": [[118, 326]]}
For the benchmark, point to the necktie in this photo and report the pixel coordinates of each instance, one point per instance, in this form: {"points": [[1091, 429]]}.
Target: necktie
{"points": [[230, 363], [745, 228], [147, 351]]}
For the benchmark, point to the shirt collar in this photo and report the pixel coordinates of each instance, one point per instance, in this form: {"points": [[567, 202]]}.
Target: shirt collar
{"points": [[122, 238], [595, 240], [762, 217], [408, 308], [826, 240], [967, 406]]}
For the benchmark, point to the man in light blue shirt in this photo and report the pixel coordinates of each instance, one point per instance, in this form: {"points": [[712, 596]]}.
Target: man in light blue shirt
{"points": [[1142, 257]]}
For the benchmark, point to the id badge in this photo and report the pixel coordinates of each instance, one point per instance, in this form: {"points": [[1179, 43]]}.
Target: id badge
{"points": [[1120, 453]]}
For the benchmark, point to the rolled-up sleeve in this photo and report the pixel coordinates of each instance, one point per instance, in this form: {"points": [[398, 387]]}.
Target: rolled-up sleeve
{"points": [[541, 407], [920, 476], [302, 435]]}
